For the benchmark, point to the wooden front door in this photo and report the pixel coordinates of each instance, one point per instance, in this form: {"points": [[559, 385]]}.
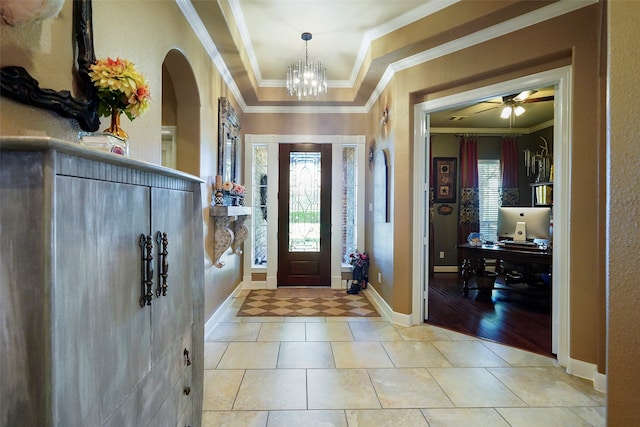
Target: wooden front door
{"points": [[304, 212]]}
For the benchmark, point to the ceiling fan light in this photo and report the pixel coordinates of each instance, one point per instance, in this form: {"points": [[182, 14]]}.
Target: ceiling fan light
{"points": [[518, 110], [506, 112]]}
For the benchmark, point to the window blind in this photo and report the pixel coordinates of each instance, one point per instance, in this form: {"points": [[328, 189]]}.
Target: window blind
{"points": [[489, 183]]}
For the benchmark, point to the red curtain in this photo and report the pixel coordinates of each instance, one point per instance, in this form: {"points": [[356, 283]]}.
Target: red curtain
{"points": [[509, 192], [469, 209]]}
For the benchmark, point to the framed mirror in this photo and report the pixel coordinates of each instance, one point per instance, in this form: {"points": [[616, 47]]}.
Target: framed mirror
{"points": [[228, 141]]}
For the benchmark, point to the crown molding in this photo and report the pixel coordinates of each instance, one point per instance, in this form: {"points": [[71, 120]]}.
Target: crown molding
{"points": [[492, 131], [528, 19]]}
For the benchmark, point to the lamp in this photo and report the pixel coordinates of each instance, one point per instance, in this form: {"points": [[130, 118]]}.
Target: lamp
{"points": [[306, 78]]}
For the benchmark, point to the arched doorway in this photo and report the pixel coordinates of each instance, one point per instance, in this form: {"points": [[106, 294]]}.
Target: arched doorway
{"points": [[180, 113]]}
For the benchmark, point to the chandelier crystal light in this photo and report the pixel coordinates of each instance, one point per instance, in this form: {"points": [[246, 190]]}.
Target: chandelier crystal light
{"points": [[306, 78]]}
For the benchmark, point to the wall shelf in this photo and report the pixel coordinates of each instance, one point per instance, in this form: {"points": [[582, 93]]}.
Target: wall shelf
{"points": [[230, 229]]}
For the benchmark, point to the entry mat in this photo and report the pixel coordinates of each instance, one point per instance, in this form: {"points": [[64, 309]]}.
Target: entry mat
{"points": [[306, 302]]}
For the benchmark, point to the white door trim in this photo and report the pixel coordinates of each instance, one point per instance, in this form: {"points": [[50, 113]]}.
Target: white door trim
{"points": [[561, 79], [272, 141]]}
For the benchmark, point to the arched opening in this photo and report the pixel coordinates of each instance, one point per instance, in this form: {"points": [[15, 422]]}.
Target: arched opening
{"points": [[180, 115]]}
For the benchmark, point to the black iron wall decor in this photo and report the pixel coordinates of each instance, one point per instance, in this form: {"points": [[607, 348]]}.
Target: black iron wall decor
{"points": [[16, 82]]}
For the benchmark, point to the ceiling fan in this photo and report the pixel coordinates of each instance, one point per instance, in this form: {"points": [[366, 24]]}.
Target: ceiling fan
{"points": [[511, 105]]}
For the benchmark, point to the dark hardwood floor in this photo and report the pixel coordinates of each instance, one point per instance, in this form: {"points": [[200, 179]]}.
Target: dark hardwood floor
{"points": [[510, 317]]}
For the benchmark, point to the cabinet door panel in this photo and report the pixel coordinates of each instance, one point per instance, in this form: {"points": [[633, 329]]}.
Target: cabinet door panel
{"points": [[103, 336], [171, 214]]}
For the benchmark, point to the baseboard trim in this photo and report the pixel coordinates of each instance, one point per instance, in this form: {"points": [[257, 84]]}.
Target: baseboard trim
{"points": [[254, 285], [384, 309], [588, 371], [379, 303], [445, 269], [401, 319], [211, 323]]}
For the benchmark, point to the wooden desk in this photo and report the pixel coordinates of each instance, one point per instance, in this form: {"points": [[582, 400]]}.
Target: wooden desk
{"points": [[479, 253]]}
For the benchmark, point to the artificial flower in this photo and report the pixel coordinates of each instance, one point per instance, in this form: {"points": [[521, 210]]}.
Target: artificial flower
{"points": [[359, 259], [238, 189], [120, 87]]}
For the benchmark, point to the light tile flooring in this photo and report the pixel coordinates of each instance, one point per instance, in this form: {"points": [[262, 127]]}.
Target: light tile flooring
{"points": [[326, 371]]}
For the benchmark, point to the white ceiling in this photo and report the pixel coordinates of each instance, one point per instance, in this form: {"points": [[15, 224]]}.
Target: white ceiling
{"points": [[341, 29], [486, 114], [269, 31]]}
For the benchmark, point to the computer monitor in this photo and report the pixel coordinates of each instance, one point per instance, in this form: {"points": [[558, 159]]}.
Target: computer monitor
{"points": [[524, 223]]}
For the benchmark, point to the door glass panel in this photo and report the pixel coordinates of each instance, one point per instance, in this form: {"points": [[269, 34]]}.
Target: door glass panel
{"points": [[349, 201], [259, 205], [304, 201]]}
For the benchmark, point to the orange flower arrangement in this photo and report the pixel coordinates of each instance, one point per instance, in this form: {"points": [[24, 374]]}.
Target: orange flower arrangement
{"points": [[121, 88]]}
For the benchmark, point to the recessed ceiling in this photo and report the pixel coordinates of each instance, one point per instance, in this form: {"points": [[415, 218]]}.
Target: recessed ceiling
{"points": [[359, 41], [342, 31]]}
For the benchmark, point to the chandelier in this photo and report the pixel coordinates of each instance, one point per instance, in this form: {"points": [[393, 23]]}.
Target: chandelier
{"points": [[306, 78]]}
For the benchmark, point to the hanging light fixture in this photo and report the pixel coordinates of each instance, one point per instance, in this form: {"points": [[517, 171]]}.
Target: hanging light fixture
{"points": [[306, 78]]}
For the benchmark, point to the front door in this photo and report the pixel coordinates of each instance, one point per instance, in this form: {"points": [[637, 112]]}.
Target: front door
{"points": [[304, 212]]}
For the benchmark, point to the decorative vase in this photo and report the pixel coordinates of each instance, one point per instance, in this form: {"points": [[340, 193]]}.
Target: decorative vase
{"points": [[104, 141], [218, 198], [115, 128]]}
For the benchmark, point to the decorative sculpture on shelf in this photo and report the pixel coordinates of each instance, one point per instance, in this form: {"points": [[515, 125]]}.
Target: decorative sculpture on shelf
{"points": [[539, 164], [223, 238], [230, 230]]}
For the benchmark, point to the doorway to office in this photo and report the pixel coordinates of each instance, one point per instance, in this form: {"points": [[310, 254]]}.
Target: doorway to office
{"points": [[560, 79]]}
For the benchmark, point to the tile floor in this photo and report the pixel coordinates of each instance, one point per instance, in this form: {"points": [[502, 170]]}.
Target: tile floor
{"points": [[336, 371]]}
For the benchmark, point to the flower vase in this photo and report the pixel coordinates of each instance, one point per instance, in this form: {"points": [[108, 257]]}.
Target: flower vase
{"points": [[112, 140], [115, 128]]}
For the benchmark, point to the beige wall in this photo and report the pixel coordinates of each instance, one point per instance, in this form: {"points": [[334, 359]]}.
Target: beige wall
{"points": [[623, 212], [304, 124], [571, 39]]}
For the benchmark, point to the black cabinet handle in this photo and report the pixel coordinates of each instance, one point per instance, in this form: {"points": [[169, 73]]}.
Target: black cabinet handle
{"points": [[187, 391], [146, 245], [187, 360], [163, 263]]}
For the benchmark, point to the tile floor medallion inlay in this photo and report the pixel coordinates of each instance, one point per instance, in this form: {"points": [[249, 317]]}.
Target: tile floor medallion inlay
{"points": [[288, 302]]}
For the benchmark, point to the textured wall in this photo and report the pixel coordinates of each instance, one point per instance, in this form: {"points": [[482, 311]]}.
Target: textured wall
{"points": [[623, 210]]}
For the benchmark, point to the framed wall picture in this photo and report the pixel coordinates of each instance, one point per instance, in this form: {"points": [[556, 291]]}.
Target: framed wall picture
{"points": [[380, 187], [228, 142], [445, 177]]}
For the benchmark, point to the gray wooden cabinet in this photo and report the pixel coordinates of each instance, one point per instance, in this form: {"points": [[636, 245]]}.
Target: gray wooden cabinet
{"points": [[86, 341]]}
